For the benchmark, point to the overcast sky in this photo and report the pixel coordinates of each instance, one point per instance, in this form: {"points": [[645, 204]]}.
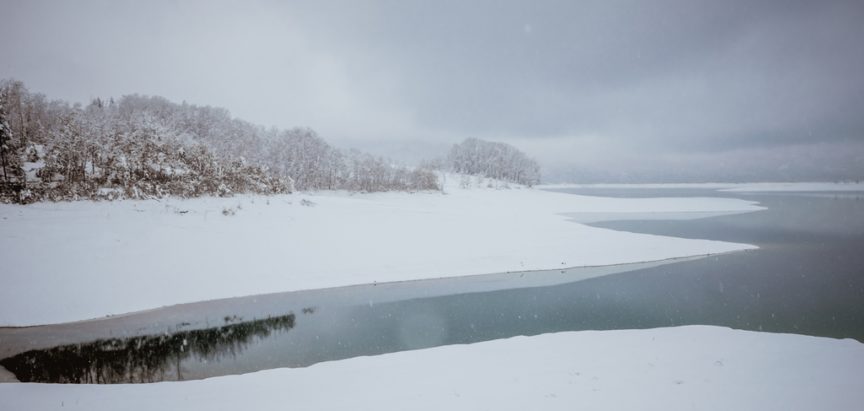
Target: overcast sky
{"points": [[638, 90]]}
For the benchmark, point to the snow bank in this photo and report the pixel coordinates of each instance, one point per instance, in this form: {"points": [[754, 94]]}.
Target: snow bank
{"points": [[694, 367], [78, 260]]}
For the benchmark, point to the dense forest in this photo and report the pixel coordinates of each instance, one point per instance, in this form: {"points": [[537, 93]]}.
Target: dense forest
{"points": [[148, 147]]}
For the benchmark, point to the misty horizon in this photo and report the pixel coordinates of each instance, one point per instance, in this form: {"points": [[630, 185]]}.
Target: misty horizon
{"points": [[595, 91]]}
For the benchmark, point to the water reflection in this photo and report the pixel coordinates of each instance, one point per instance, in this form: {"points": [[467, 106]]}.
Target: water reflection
{"points": [[147, 358], [806, 278]]}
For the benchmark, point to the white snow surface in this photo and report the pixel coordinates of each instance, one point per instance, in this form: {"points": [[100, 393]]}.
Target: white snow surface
{"points": [[72, 261], [684, 368]]}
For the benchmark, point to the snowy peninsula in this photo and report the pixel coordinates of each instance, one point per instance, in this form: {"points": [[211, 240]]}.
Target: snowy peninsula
{"points": [[79, 260]]}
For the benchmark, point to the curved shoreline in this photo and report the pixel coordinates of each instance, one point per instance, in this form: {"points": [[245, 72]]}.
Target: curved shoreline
{"points": [[204, 314], [125, 257]]}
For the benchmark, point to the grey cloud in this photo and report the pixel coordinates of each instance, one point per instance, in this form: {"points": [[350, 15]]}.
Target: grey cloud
{"points": [[688, 81]]}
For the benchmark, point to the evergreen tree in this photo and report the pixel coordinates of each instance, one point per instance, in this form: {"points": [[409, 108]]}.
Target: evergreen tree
{"points": [[5, 140]]}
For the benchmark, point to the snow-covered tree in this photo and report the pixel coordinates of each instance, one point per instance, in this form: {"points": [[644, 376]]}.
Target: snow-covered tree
{"points": [[493, 160], [12, 180], [5, 141], [141, 146]]}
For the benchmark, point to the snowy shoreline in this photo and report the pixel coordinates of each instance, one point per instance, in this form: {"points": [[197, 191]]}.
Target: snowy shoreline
{"points": [[203, 314], [128, 256], [400, 238], [691, 367]]}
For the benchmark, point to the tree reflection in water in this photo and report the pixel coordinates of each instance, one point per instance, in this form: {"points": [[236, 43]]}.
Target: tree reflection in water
{"points": [[147, 358]]}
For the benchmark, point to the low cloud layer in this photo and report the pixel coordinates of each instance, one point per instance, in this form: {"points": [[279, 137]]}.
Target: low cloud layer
{"points": [[596, 90]]}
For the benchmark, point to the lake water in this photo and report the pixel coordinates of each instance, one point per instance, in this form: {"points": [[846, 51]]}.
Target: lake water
{"points": [[806, 278]]}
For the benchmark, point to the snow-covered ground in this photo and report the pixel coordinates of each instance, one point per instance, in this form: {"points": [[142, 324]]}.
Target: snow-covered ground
{"points": [[77, 260], [72, 261], [685, 368]]}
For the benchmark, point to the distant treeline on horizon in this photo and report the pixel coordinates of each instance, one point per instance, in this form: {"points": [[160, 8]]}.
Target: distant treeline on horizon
{"points": [[148, 147]]}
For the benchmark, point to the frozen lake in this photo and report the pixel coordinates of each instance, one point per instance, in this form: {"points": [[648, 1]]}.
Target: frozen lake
{"points": [[806, 278]]}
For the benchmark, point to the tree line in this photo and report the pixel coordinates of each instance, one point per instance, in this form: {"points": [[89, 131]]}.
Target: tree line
{"points": [[493, 160], [145, 147], [149, 147]]}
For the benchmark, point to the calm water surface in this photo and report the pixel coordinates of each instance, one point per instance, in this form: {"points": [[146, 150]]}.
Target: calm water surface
{"points": [[806, 278]]}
